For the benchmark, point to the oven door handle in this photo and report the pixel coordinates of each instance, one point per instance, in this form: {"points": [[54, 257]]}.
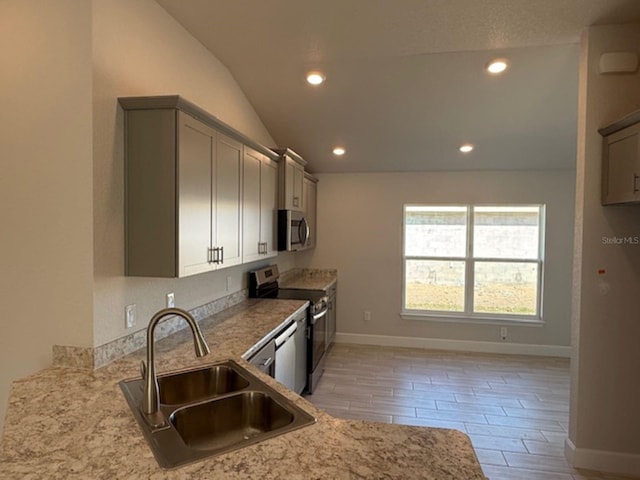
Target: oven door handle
{"points": [[318, 316]]}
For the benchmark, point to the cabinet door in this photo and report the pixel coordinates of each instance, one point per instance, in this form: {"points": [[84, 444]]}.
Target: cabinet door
{"points": [[293, 179], [227, 211], [298, 180], [195, 153], [621, 179], [268, 207], [251, 205], [310, 194]]}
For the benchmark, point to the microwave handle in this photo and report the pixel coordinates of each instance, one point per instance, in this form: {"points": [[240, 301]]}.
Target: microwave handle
{"points": [[305, 226]]}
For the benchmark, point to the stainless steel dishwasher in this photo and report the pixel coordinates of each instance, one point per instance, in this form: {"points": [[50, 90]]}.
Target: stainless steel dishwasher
{"points": [[301, 336], [286, 356], [265, 358]]}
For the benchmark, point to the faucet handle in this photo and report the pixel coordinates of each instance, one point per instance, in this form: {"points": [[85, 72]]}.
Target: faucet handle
{"points": [[143, 369]]}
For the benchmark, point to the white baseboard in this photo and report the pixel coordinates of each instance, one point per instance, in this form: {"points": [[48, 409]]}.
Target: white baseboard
{"points": [[603, 461], [456, 345]]}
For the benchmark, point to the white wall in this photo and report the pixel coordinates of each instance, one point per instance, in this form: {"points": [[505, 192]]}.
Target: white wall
{"points": [[138, 49], [360, 234], [605, 418], [45, 183]]}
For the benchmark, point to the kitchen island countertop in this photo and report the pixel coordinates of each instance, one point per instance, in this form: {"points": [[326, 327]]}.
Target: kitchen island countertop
{"points": [[73, 423]]}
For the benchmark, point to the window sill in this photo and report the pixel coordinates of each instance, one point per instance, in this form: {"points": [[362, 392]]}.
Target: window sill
{"points": [[476, 319]]}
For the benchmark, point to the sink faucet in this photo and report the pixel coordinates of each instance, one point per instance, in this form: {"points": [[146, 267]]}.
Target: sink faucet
{"points": [[151, 401]]}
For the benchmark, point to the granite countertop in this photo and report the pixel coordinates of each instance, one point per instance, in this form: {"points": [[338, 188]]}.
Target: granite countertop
{"points": [[75, 424], [309, 279]]}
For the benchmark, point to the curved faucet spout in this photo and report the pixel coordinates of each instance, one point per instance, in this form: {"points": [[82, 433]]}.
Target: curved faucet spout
{"points": [[151, 401]]}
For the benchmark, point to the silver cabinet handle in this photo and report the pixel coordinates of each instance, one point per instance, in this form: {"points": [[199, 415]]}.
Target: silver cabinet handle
{"points": [[209, 255], [218, 255]]}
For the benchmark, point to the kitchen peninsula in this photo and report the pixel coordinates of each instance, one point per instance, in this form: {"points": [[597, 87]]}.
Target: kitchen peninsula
{"points": [[73, 423]]}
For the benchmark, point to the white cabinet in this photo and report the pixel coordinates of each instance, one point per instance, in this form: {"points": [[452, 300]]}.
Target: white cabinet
{"points": [[183, 189], [621, 162], [291, 180], [260, 186], [310, 192]]}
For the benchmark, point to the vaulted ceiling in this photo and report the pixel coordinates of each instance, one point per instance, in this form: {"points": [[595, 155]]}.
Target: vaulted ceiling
{"points": [[405, 81]]}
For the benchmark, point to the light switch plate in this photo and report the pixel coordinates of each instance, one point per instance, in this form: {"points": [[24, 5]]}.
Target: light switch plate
{"points": [[130, 316]]}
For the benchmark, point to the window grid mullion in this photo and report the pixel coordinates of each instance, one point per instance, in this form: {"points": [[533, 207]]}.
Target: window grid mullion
{"points": [[469, 264]]}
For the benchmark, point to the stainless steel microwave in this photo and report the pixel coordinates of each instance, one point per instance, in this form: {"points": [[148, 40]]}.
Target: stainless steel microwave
{"points": [[293, 230]]}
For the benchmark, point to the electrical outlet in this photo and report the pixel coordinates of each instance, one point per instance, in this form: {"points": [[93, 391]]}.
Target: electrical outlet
{"points": [[367, 316], [171, 300], [503, 333], [130, 316]]}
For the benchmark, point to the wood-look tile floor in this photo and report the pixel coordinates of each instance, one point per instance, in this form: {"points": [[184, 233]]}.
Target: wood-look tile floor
{"points": [[514, 408]]}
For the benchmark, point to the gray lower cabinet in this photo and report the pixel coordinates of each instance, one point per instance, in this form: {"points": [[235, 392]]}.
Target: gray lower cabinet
{"points": [[621, 162], [331, 314], [182, 194]]}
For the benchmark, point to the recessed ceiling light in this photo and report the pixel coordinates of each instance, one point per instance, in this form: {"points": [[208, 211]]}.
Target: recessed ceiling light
{"points": [[339, 151], [315, 78], [497, 66], [466, 148]]}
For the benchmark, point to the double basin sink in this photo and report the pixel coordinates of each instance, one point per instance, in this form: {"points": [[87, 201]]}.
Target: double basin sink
{"points": [[212, 410]]}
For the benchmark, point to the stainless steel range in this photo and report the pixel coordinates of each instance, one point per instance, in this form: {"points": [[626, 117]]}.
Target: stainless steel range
{"points": [[263, 283]]}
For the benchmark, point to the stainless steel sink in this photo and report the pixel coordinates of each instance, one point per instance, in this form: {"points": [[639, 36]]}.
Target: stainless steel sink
{"points": [[212, 410], [194, 385], [230, 420]]}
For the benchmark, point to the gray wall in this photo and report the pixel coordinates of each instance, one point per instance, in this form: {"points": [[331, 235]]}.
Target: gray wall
{"points": [[46, 269], [360, 234], [605, 418]]}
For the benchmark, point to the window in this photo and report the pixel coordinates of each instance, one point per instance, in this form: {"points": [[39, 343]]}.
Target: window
{"points": [[473, 261]]}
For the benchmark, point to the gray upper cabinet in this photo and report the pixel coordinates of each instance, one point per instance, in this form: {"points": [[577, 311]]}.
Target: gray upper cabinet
{"points": [[291, 180], [226, 236], [310, 192], [259, 206], [195, 164], [184, 189], [621, 161]]}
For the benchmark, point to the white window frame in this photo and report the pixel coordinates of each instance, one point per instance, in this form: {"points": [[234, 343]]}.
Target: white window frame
{"points": [[468, 315]]}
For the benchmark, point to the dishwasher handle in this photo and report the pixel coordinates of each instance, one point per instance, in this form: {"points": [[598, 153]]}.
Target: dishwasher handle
{"points": [[290, 330]]}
